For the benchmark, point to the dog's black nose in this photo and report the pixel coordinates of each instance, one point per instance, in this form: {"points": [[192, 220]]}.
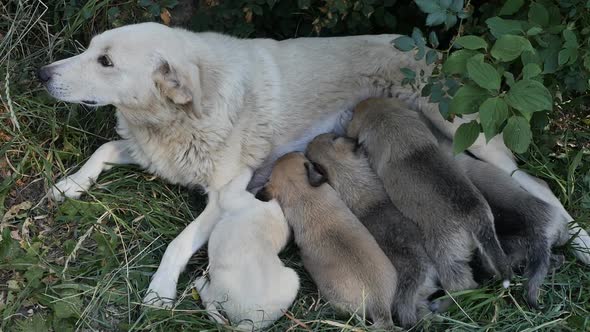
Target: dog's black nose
{"points": [[43, 74]]}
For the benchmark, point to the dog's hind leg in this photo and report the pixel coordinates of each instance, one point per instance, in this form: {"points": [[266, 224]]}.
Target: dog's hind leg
{"points": [[491, 250], [162, 289], [114, 152]]}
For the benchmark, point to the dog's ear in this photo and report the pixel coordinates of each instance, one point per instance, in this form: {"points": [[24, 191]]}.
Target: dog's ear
{"points": [[183, 89], [171, 86], [263, 195], [316, 174]]}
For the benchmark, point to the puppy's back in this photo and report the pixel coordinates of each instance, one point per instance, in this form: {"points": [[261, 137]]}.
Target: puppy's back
{"points": [[341, 255]]}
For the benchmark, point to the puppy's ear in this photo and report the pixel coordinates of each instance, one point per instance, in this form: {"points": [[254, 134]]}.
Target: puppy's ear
{"points": [[171, 85], [263, 195], [316, 174]]}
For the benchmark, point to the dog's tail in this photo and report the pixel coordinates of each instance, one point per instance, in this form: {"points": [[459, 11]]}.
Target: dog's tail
{"points": [[537, 267], [493, 252]]}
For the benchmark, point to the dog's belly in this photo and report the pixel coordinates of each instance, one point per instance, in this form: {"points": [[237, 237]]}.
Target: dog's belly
{"points": [[335, 122]]}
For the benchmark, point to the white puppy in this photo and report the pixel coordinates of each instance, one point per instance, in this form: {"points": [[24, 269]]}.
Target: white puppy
{"points": [[246, 278], [198, 108]]}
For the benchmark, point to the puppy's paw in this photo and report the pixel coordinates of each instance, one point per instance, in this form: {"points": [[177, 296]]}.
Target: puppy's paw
{"points": [[71, 187], [161, 292]]}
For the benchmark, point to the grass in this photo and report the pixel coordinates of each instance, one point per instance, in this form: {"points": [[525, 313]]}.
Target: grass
{"points": [[84, 264]]}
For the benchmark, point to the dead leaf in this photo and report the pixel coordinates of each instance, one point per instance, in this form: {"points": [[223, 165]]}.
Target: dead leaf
{"points": [[165, 16], [248, 15], [15, 235], [14, 210]]}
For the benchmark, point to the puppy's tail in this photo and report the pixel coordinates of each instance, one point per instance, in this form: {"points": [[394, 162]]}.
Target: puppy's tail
{"points": [[493, 253], [537, 267]]}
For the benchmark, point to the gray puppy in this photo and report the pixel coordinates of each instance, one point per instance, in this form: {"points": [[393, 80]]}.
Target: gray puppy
{"points": [[339, 253], [349, 173], [427, 187], [526, 226]]}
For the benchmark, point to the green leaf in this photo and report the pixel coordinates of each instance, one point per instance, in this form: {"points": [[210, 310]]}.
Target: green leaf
{"points": [[570, 38], [418, 37], [450, 21], [499, 27], [445, 4], [34, 275], [471, 42], [404, 43], [431, 57], [428, 6], [467, 99], [534, 31], [531, 57], [456, 63], [465, 136], [421, 52], [509, 47], [531, 70], [538, 14], [517, 134], [303, 4], [510, 7], [435, 19], [529, 96], [408, 73], [587, 61], [390, 20], [457, 5], [69, 305], [483, 74], [433, 39], [550, 54], [492, 113], [567, 56], [509, 78], [443, 107]]}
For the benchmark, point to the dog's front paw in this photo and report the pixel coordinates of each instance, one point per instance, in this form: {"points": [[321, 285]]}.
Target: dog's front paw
{"points": [[71, 187], [161, 292]]}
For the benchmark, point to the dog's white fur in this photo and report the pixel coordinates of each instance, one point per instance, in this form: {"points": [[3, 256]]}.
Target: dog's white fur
{"points": [[246, 278], [197, 109]]}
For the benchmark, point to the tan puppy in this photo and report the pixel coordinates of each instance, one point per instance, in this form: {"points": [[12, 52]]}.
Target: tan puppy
{"points": [[340, 254], [349, 173], [427, 186]]}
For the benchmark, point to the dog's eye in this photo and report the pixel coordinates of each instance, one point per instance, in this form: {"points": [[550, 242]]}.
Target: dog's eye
{"points": [[105, 61]]}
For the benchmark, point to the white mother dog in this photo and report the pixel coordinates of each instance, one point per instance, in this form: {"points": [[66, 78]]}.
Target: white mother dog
{"points": [[198, 108]]}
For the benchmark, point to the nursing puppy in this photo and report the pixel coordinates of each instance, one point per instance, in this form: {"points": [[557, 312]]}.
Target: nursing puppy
{"points": [[349, 173], [246, 278], [342, 257], [426, 186], [526, 226]]}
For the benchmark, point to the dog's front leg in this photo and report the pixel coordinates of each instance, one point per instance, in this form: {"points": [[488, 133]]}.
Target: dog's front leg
{"points": [[162, 290], [114, 152]]}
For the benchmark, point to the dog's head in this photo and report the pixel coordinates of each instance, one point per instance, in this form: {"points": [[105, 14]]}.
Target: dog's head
{"points": [[337, 157], [132, 67], [292, 176]]}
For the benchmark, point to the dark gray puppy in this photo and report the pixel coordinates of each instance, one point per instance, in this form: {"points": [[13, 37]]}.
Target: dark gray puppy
{"points": [[349, 173], [526, 226], [427, 186], [342, 257]]}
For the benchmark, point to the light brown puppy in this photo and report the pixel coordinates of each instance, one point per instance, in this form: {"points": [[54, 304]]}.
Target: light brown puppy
{"points": [[339, 253], [428, 187], [349, 173]]}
